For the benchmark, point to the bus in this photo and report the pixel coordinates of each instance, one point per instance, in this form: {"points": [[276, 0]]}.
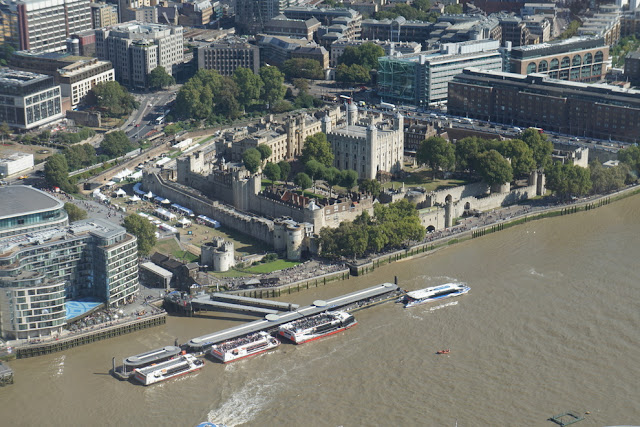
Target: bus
{"points": [[160, 120]]}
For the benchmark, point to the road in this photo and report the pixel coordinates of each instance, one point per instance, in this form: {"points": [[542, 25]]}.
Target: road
{"points": [[152, 105]]}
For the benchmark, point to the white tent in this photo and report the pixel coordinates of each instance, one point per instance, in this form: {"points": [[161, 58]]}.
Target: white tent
{"points": [[121, 192], [109, 184], [166, 202], [184, 222], [135, 199], [149, 195]]}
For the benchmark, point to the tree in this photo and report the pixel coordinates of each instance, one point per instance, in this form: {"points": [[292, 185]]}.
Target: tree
{"points": [[252, 160], [301, 84], [195, 99], [5, 130], [302, 180], [453, 9], [540, 145], [567, 180], [116, 144], [227, 104], [494, 169], [56, 173], [79, 156], [159, 78], [317, 147], [172, 129], [113, 99], [352, 74], [366, 55], [349, 179], [437, 152], [466, 152], [74, 212], [521, 156], [302, 68], [285, 170], [272, 171], [332, 176], [273, 80], [630, 156], [315, 170], [371, 186], [264, 150], [144, 230], [281, 106], [249, 86], [604, 180]]}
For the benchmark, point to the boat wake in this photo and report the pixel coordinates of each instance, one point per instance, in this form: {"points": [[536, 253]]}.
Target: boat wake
{"points": [[533, 272], [438, 307], [245, 404], [60, 362]]}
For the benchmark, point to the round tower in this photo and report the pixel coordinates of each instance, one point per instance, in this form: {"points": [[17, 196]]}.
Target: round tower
{"points": [[223, 257], [326, 124], [295, 234], [352, 114]]}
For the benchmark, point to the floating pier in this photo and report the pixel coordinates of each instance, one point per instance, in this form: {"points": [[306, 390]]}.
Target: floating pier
{"points": [[6, 375], [255, 302], [144, 359], [353, 301], [224, 303]]}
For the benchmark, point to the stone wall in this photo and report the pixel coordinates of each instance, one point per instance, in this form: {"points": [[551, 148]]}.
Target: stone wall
{"points": [[85, 118]]}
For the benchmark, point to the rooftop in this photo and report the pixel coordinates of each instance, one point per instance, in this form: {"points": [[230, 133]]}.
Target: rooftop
{"points": [[15, 78], [25, 200]]}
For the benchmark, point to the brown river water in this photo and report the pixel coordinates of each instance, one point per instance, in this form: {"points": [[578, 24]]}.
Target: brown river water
{"points": [[550, 325]]}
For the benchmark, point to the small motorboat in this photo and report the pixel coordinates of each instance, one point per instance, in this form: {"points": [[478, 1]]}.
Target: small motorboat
{"points": [[447, 351]]}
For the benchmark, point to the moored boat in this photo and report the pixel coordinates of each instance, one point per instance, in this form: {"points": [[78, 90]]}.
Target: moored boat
{"points": [[434, 293], [181, 365], [239, 348], [447, 351], [318, 326]]}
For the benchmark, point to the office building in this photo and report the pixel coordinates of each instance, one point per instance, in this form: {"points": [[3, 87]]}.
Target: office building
{"points": [[605, 25], [421, 79], [536, 100], [632, 67], [75, 75], [283, 26], [346, 22], [28, 100], [43, 25], [103, 15], [136, 48], [575, 59], [252, 15], [227, 54]]}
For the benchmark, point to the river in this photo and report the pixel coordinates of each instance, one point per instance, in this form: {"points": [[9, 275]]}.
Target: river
{"points": [[550, 325]]}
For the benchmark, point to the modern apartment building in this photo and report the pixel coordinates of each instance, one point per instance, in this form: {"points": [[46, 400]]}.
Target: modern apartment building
{"points": [[576, 59], [421, 79], [228, 54], [536, 100], [136, 48], [28, 100], [42, 25], [41, 269]]}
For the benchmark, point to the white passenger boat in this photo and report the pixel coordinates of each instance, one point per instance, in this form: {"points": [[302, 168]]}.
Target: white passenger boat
{"points": [[318, 326], [239, 348], [181, 365], [434, 293]]}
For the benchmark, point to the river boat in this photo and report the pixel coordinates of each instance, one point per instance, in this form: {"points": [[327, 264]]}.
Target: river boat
{"points": [[447, 351], [318, 326], [434, 293], [181, 365], [239, 348]]}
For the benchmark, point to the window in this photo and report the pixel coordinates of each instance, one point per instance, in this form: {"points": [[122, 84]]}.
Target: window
{"points": [[565, 62], [543, 66], [577, 61]]}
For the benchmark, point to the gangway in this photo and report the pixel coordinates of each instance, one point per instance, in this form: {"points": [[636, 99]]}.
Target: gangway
{"points": [[204, 303], [255, 302]]}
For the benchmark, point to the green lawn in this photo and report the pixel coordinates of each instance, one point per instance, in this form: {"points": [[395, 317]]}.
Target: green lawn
{"points": [[423, 179], [185, 255], [171, 247], [269, 267]]}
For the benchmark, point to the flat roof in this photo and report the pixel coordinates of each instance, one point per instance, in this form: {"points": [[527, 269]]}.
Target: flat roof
{"points": [[26, 200], [156, 269]]}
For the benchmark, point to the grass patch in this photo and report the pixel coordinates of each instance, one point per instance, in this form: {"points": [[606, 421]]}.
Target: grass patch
{"points": [[270, 267], [185, 256]]}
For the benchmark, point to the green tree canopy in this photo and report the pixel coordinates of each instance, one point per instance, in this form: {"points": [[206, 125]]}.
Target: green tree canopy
{"points": [[56, 173], [630, 156], [303, 181], [521, 156], [159, 78], [144, 231], [264, 150], [348, 179], [332, 176], [466, 151], [272, 171], [354, 73], [567, 180], [79, 156], [494, 168], [540, 145], [285, 170], [371, 186], [113, 99], [227, 104], [314, 169], [116, 144], [74, 212], [301, 84], [366, 55], [273, 80], [317, 147], [437, 152], [604, 180], [249, 86], [195, 99], [302, 68], [252, 160]]}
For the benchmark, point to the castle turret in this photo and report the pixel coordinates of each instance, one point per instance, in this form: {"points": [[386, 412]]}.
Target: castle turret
{"points": [[326, 124], [352, 114], [399, 122], [295, 235]]}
